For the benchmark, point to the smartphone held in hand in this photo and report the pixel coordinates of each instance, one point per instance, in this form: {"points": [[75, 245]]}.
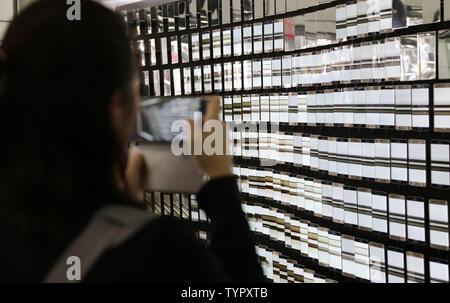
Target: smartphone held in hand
{"points": [[168, 172]]}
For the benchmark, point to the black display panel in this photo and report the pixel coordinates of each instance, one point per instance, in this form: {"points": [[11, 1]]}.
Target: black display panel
{"points": [[350, 101]]}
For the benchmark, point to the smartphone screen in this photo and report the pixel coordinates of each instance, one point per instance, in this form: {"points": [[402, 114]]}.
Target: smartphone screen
{"points": [[157, 115]]}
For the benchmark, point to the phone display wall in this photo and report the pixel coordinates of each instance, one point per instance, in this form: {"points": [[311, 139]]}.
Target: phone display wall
{"points": [[356, 96]]}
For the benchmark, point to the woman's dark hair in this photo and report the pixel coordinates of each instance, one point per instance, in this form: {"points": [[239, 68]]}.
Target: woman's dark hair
{"points": [[60, 154]]}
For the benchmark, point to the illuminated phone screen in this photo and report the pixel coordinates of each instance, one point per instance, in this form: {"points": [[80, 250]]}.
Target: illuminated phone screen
{"points": [[350, 206], [417, 162], [334, 240], [237, 75], [348, 256], [237, 108], [314, 151], [397, 209], [338, 203], [278, 33], [184, 49], [420, 107], [248, 40], [379, 212], [324, 255], [362, 267], [294, 104], [438, 271], [276, 72], [237, 41], [228, 76], [247, 72], [156, 83], [399, 157], [218, 77], [207, 78], [415, 208], [198, 84], [438, 213], [157, 115], [403, 118], [206, 48], [174, 50], [287, 71], [167, 82], [323, 151], [177, 81], [152, 52], [415, 266], [332, 149], [255, 108], [440, 163], [377, 263], [327, 200], [395, 266], [195, 42], [364, 198], [246, 113], [258, 38], [267, 72], [187, 80], [441, 102], [226, 36]]}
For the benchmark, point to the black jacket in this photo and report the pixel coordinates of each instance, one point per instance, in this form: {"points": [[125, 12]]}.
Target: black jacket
{"points": [[165, 250]]}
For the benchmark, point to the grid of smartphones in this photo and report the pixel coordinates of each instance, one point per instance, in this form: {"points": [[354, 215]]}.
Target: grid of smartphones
{"points": [[402, 107], [400, 217], [281, 269], [442, 107], [440, 163], [182, 206], [355, 258], [358, 18], [444, 48], [192, 14], [381, 160], [416, 63], [348, 20], [186, 207], [405, 58], [267, 37], [220, 54]]}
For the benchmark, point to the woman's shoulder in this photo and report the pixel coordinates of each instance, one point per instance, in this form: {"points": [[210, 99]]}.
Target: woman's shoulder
{"points": [[158, 246], [167, 226]]}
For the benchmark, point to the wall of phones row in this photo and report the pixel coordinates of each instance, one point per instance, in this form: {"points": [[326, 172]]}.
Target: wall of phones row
{"points": [[402, 161], [177, 205], [405, 58], [394, 216], [403, 107], [353, 18], [276, 267], [353, 257], [181, 206], [348, 255], [282, 269], [339, 115]]}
